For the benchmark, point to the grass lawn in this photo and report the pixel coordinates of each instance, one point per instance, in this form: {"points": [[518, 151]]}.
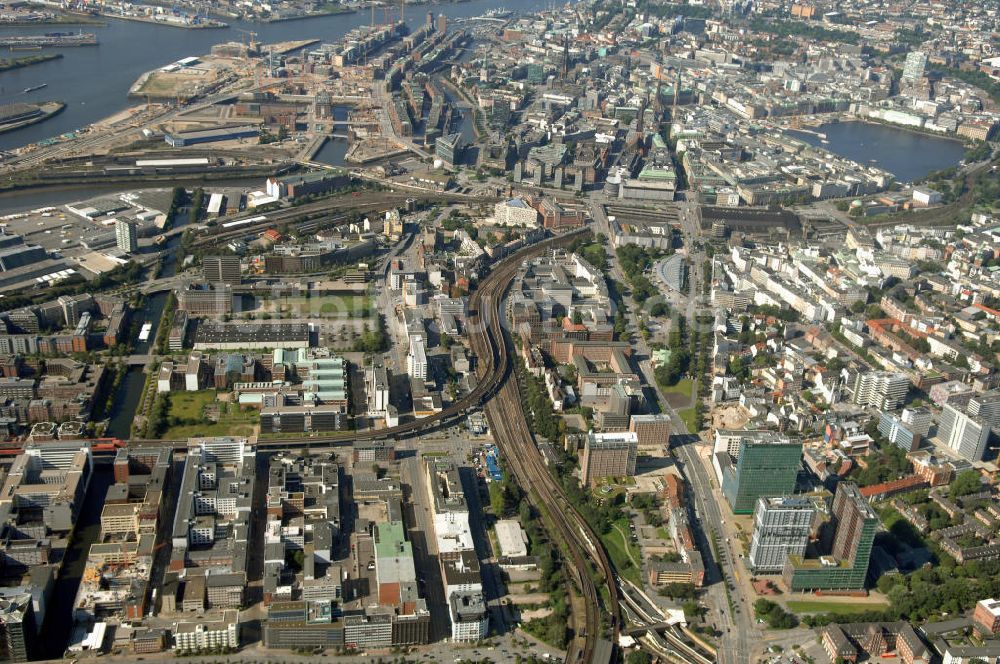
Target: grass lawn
{"points": [[687, 414], [808, 606], [188, 417], [190, 405], [684, 387], [619, 545], [662, 533]]}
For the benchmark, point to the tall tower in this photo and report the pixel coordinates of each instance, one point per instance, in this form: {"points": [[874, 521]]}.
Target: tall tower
{"points": [[658, 107], [677, 93], [565, 67], [126, 236]]}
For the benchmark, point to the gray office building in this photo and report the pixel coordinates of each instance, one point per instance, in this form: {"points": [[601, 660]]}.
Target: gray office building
{"points": [[967, 435], [987, 407]]}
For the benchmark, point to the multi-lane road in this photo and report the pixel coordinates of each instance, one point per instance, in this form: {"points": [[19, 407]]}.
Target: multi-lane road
{"points": [[740, 635]]}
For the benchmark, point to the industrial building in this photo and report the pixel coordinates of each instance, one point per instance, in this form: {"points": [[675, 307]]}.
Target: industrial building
{"points": [[250, 335], [184, 138]]}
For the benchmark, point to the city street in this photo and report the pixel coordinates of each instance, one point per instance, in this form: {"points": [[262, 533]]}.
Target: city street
{"points": [[740, 634]]}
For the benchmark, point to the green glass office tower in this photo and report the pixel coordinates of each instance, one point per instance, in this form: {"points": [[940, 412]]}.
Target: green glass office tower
{"points": [[846, 568], [763, 468]]}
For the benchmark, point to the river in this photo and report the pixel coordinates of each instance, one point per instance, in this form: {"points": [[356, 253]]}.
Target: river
{"points": [[94, 80], [909, 155]]}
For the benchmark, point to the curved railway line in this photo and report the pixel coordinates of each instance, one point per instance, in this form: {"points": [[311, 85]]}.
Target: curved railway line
{"points": [[497, 389], [515, 439], [492, 358]]}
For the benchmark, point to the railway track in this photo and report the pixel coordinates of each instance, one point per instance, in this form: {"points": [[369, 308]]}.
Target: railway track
{"points": [[512, 434], [493, 363], [385, 201], [499, 392]]}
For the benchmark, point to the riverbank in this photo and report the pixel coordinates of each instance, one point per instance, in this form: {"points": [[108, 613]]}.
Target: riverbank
{"points": [[49, 109], [301, 17], [211, 24], [912, 130], [92, 90], [9, 64], [68, 20]]}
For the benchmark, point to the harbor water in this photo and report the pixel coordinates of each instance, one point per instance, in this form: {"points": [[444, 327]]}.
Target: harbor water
{"points": [[94, 80], [909, 155]]}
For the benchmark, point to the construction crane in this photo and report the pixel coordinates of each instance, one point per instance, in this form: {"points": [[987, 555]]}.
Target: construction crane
{"points": [[252, 45]]}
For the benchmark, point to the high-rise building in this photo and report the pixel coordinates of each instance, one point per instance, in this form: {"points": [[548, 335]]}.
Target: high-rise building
{"points": [[987, 407], [430, 20], [855, 524], [846, 568], [965, 434], [781, 527], [918, 420], [416, 359], [916, 63], [18, 633], [763, 467], [73, 308], [884, 390], [127, 236], [897, 432], [442, 23], [448, 148], [221, 269], [608, 455], [377, 378]]}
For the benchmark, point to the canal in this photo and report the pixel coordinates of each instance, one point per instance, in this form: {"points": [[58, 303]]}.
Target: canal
{"points": [[909, 155], [59, 613], [333, 151], [130, 391]]}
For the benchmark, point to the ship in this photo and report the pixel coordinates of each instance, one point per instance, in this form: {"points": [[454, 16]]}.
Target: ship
{"points": [[50, 39], [144, 332], [499, 12], [36, 87]]}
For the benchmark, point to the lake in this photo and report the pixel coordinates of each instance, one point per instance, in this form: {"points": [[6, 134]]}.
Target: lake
{"points": [[908, 155]]}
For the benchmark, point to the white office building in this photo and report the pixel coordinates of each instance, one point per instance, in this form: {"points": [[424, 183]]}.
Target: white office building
{"points": [[884, 390], [964, 434], [208, 635], [127, 235], [781, 528], [416, 359]]}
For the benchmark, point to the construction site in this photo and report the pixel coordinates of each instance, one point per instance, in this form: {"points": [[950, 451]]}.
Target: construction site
{"points": [[291, 97]]}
